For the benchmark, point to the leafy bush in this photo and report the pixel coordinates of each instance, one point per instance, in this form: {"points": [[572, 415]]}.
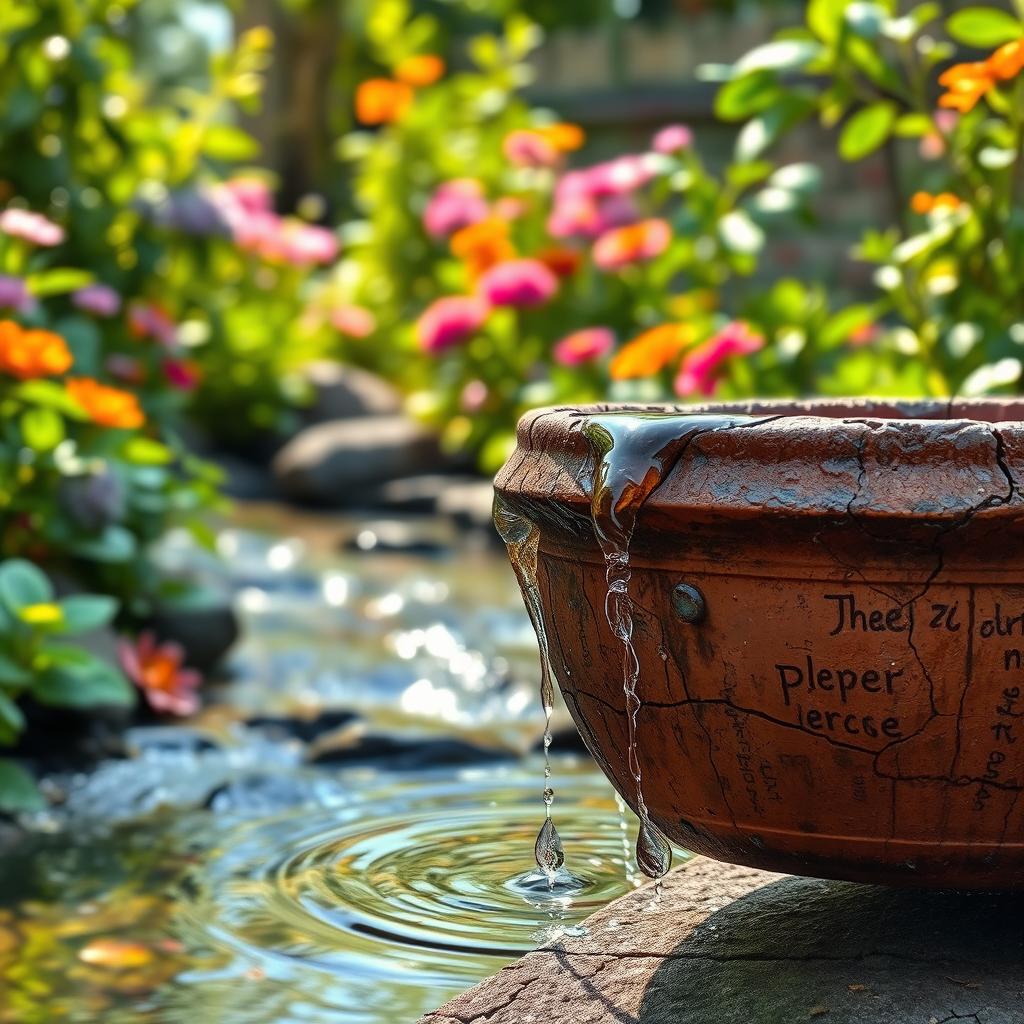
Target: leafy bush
{"points": [[37, 660], [503, 276]]}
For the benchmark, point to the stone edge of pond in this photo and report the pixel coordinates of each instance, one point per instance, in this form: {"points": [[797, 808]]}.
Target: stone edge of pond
{"points": [[733, 945]]}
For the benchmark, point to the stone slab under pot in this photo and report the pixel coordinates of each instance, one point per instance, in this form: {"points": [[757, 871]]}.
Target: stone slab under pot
{"points": [[827, 609]]}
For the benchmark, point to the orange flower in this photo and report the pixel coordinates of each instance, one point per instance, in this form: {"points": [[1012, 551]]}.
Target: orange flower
{"points": [[1008, 61], [651, 352], [381, 100], [563, 136], [560, 261], [482, 245], [29, 354], [109, 407], [634, 243], [925, 203], [965, 85], [424, 69]]}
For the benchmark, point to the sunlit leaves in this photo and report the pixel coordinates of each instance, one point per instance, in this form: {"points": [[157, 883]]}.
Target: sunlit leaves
{"points": [[867, 130], [984, 27]]}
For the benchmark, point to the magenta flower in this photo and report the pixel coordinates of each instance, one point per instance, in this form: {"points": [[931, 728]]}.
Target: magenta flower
{"points": [[520, 283], [182, 374], [671, 139], [584, 346], [157, 670], [14, 294], [582, 216], [454, 204], [353, 321], [698, 373], [99, 299], [450, 321], [32, 227]]}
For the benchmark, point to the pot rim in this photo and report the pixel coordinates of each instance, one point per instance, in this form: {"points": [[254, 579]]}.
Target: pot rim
{"points": [[935, 461]]}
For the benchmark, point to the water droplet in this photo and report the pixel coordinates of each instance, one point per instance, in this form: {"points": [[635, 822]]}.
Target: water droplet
{"points": [[549, 796], [548, 849], [653, 854]]}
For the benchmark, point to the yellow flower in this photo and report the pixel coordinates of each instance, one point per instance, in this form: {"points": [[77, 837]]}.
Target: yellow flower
{"points": [[41, 614]]}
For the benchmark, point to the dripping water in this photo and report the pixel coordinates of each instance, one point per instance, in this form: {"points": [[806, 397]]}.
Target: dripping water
{"points": [[522, 539], [633, 454]]}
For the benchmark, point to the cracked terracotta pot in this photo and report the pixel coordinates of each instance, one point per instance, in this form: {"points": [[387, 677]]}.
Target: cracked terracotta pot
{"points": [[828, 614]]}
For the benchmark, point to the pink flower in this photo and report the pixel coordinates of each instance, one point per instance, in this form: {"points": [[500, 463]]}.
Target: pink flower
{"points": [[14, 294], [455, 204], [32, 227], [182, 374], [146, 320], [521, 283], [302, 244], [584, 346], [529, 149], [634, 243], [474, 396], [671, 139], [698, 372], [249, 194], [353, 321], [450, 321], [157, 670], [588, 218], [99, 299]]}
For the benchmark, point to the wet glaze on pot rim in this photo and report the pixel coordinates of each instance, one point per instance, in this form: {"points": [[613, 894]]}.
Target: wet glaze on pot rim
{"points": [[827, 614]]}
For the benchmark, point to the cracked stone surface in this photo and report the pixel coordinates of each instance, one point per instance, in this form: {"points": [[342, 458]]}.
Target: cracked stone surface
{"points": [[852, 703], [732, 945]]}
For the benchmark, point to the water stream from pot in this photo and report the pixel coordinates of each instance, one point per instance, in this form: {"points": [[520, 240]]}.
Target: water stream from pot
{"points": [[632, 455]]}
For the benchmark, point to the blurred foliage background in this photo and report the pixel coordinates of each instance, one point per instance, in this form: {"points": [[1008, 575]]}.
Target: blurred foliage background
{"points": [[492, 205]]}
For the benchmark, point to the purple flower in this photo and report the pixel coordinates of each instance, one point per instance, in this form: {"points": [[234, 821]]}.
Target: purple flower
{"points": [[450, 321], [521, 283], [14, 294], [671, 139], [99, 299], [32, 227], [455, 204]]}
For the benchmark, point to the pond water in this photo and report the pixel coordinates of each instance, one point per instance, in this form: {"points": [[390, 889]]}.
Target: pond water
{"points": [[346, 833]]}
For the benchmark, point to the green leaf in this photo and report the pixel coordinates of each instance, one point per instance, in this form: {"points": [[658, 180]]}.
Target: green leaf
{"points": [[42, 429], [50, 394], [58, 281], [83, 612], [763, 131], [825, 19], [18, 790], [12, 721], [780, 55], [839, 327], [226, 142], [748, 94], [21, 584], [13, 674], [95, 684], [984, 27], [868, 129], [145, 451], [913, 126], [114, 544]]}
